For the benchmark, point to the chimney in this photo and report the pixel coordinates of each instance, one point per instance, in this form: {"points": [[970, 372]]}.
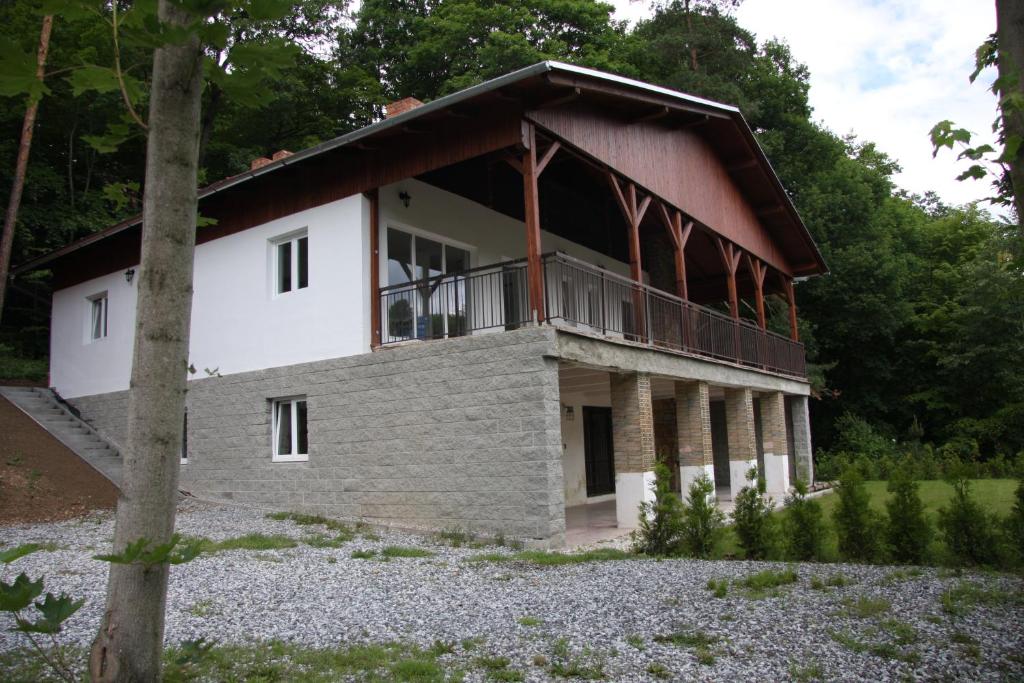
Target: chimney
{"points": [[401, 106], [258, 162], [281, 154]]}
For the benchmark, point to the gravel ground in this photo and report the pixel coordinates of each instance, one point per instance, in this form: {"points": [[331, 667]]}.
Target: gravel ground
{"points": [[609, 612]]}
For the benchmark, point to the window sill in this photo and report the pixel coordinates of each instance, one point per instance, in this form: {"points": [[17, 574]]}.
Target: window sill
{"points": [[290, 458]]}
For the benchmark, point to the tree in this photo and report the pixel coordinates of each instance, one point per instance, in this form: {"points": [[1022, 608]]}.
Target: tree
{"points": [[129, 645], [27, 128]]}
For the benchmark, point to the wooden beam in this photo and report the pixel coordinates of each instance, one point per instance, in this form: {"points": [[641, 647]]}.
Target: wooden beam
{"points": [[694, 123], [642, 209], [741, 165], [731, 260], [513, 162], [769, 209], [620, 198], [758, 271], [573, 94], [375, 303], [669, 224], [531, 201], [653, 115], [787, 288], [548, 155]]}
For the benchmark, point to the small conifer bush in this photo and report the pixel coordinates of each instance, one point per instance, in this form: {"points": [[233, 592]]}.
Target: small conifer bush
{"points": [[752, 518], [661, 521], [907, 530], [803, 525], [967, 530], [703, 522], [857, 525]]}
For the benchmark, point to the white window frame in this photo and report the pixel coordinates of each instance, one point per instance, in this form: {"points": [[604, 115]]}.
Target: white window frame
{"points": [[104, 300], [275, 276], [418, 232], [292, 402]]}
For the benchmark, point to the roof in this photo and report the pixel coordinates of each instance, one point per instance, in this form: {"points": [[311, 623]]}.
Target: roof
{"points": [[539, 70]]}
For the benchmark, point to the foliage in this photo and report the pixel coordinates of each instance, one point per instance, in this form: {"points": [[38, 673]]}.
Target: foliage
{"points": [[661, 525], [803, 525], [907, 530], [752, 519], [48, 617], [967, 529], [702, 522], [1015, 525], [856, 523]]}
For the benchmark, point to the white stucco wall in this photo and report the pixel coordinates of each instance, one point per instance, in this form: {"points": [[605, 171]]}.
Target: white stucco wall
{"points": [[238, 323]]}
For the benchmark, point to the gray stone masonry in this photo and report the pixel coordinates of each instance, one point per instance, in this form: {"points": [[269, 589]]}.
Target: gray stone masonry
{"points": [[459, 433]]}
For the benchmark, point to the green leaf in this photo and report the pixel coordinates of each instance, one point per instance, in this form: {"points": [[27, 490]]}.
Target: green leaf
{"points": [[203, 221], [116, 135], [975, 171], [100, 79], [18, 72], [268, 10], [57, 610], [20, 594], [12, 554], [70, 10], [131, 553]]}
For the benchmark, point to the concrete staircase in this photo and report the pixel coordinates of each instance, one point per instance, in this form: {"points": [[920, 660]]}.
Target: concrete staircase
{"points": [[55, 417]]}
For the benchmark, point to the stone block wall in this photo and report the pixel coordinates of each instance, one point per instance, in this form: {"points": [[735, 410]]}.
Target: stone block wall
{"points": [[461, 433]]}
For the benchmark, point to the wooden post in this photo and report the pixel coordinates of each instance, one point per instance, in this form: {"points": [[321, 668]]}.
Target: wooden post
{"points": [[531, 199], [679, 235], [375, 325], [634, 215], [758, 270], [731, 260], [794, 330]]}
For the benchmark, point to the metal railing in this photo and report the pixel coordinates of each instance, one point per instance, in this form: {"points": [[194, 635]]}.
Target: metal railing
{"points": [[584, 296]]}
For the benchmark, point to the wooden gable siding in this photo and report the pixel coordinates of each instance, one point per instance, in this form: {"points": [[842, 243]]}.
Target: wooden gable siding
{"points": [[312, 182], [677, 165]]}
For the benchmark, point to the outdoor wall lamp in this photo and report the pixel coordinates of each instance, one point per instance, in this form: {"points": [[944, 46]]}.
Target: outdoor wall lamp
{"points": [[129, 275], [404, 196]]}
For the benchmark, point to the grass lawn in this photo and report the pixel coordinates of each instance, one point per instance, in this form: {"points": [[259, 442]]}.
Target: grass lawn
{"points": [[995, 495]]}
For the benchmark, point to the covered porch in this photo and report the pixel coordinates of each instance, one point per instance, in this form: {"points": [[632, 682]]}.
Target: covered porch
{"points": [[617, 422]]}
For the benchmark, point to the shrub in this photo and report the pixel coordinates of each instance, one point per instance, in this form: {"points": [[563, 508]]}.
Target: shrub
{"points": [[856, 523], [803, 525], [907, 531], [702, 520], [752, 518], [661, 520], [1015, 525], [965, 527]]}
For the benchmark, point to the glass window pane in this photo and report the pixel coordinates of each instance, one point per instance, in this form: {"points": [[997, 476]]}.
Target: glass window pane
{"points": [[284, 267], [284, 427], [456, 260], [399, 257], [300, 426], [303, 262], [428, 258]]}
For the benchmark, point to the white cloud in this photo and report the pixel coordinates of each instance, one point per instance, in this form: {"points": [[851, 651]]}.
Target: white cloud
{"points": [[886, 71]]}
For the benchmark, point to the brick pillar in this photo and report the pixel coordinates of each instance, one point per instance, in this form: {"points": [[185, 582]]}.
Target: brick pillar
{"points": [[693, 425], [802, 438], [633, 439], [773, 433], [739, 421]]}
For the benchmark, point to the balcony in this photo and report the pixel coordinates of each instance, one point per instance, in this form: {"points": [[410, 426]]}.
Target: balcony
{"points": [[581, 296]]}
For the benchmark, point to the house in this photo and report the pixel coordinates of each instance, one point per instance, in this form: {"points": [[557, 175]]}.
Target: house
{"points": [[490, 312]]}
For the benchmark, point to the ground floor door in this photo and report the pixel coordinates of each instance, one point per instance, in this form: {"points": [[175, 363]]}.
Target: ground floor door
{"points": [[597, 449]]}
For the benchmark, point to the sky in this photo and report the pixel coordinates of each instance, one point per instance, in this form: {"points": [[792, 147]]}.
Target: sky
{"points": [[886, 71]]}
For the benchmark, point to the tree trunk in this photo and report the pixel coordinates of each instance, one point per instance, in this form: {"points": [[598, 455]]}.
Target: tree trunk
{"points": [[129, 644], [21, 165], [1010, 30]]}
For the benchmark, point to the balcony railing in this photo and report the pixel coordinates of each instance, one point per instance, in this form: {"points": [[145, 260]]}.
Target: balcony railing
{"points": [[582, 296]]}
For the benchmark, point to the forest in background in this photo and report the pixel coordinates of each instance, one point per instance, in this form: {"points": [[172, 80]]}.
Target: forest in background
{"points": [[915, 337]]}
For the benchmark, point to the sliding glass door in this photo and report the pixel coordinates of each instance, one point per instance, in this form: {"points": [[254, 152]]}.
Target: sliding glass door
{"points": [[436, 307]]}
